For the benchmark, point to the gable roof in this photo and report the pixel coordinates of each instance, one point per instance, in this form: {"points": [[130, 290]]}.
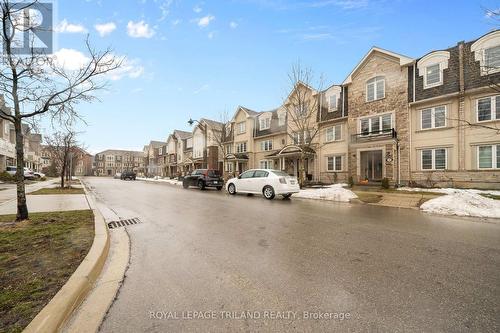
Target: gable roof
{"points": [[183, 135], [403, 60], [212, 123]]}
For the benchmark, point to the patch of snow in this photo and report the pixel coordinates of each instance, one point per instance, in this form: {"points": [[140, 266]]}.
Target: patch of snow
{"points": [[335, 192], [463, 203], [447, 190], [163, 180]]}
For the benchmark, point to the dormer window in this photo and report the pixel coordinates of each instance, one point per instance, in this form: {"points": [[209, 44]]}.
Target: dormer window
{"points": [[375, 88], [487, 52], [431, 68], [281, 119], [264, 123], [492, 58], [433, 75], [332, 103]]}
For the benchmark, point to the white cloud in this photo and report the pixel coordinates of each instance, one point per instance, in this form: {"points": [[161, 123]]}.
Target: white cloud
{"points": [[176, 22], [65, 27], [211, 35], [73, 60], [233, 25], [70, 59], [197, 9], [105, 28], [205, 20], [139, 30], [202, 88]]}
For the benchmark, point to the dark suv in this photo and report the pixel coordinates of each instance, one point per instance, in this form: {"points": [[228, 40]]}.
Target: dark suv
{"points": [[130, 175], [204, 178]]}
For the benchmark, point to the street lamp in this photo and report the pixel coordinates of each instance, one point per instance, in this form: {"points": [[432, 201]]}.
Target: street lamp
{"points": [[191, 122]]}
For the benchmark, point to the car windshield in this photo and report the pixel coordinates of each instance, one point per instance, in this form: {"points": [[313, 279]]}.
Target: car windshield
{"points": [[280, 173], [213, 173]]}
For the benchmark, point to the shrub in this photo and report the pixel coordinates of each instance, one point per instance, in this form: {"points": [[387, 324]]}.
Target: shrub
{"points": [[351, 181], [385, 183], [6, 177]]}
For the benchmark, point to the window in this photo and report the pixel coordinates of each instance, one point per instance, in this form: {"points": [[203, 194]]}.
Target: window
{"points": [[433, 117], [492, 58], [301, 137], [332, 103], [247, 174], [264, 123], [281, 119], [241, 147], [433, 76], [334, 133], [229, 167], [260, 173], [434, 159], [229, 149], [334, 163], [266, 145], [375, 88], [488, 108], [242, 127], [265, 164], [376, 125], [489, 157], [301, 110]]}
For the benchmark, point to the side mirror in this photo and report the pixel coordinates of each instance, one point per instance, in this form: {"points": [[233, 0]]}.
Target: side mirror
{"points": [[239, 177]]}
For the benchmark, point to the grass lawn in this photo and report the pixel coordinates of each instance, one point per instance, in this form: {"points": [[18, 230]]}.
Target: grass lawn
{"points": [[36, 259], [368, 197], [58, 190], [491, 196]]}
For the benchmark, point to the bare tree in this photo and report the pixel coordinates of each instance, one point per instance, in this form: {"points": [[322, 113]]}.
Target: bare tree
{"points": [[35, 84], [220, 136], [61, 146], [302, 107]]}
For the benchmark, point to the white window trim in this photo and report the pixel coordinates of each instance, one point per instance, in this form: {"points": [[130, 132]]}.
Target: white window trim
{"points": [[434, 159], [281, 116], [439, 83], [375, 89], [478, 47], [241, 144], [393, 125], [335, 107], [265, 119], [267, 163], [493, 156], [334, 157], [334, 133], [239, 127], [493, 110], [263, 145], [433, 117]]}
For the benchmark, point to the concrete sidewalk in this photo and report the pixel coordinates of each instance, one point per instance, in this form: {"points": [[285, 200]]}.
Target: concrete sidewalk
{"points": [[48, 203], [10, 192]]}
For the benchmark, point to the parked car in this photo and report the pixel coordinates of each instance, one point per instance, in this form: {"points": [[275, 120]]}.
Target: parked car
{"points": [[130, 175], [28, 174], [38, 174], [117, 175], [204, 178], [267, 182]]}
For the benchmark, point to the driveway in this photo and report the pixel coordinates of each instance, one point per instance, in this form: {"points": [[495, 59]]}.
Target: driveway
{"points": [[207, 261]]}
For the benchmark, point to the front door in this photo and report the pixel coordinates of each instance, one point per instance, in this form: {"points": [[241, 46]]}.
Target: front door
{"points": [[371, 165]]}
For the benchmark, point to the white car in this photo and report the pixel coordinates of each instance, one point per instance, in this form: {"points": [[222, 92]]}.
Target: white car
{"points": [[38, 174], [267, 182], [28, 174]]}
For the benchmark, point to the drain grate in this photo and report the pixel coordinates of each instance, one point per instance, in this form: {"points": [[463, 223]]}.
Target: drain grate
{"points": [[123, 223]]}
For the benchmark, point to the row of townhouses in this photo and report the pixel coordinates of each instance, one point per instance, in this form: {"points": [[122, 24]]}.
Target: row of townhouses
{"points": [[32, 144], [431, 121], [113, 161]]}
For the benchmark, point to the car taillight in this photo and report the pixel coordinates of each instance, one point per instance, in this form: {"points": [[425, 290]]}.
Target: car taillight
{"points": [[282, 180]]}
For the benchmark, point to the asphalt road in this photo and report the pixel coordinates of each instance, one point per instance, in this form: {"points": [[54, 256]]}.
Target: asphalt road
{"points": [[210, 262]]}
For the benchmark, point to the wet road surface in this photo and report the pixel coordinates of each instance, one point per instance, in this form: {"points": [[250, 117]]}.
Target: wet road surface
{"points": [[205, 261]]}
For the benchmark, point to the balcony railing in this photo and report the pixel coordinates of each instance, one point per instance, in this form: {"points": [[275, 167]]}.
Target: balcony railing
{"points": [[374, 136]]}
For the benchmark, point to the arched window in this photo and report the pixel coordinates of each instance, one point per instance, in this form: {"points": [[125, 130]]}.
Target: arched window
{"points": [[375, 88]]}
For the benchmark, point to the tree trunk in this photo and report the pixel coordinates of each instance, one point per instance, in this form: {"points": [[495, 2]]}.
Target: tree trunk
{"points": [[63, 174], [22, 208]]}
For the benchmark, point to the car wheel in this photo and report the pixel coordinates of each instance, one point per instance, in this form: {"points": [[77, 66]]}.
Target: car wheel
{"points": [[185, 184], [268, 192], [231, 189], [201, 185], [287, 196], [219, 188]]}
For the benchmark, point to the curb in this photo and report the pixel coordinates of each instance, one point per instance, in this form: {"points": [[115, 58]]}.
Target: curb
{"points": [[68, 298]]}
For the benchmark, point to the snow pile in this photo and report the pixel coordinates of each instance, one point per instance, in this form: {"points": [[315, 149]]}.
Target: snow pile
{"points": [[463, 203], [335, 192], [163, 180], [447, 190]]}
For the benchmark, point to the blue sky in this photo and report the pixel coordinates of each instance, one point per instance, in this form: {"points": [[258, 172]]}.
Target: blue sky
{"points": [[200, 58]]}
